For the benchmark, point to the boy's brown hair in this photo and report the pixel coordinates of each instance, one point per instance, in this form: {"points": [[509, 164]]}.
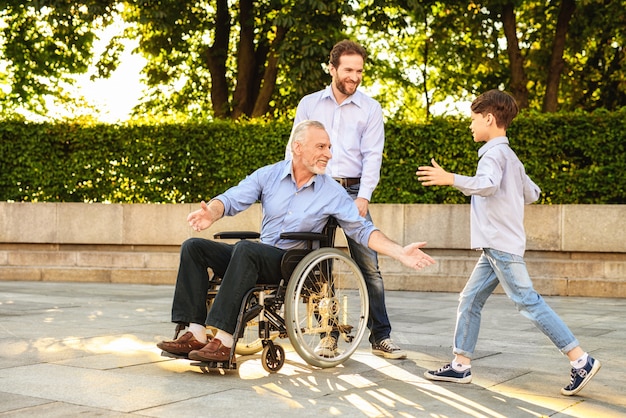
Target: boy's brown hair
{"points": [[500, 104]]}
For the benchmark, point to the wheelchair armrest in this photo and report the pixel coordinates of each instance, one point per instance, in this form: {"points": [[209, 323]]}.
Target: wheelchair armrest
{"points": [[237, 235]]}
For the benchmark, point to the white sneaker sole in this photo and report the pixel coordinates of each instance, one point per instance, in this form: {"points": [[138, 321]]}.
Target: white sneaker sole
{"points": [[394, 355], [591, 374], [430, 376]]}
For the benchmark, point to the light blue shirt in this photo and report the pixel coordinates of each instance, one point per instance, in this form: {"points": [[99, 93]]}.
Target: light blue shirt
{"points": [[357, 135], [287, 208], [499, 191]]}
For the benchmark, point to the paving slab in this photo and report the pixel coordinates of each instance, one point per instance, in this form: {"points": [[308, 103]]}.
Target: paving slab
{"points": [[69, 349]]}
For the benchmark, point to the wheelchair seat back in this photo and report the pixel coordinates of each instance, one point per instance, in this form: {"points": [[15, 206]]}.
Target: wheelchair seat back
{"points": [[291, 258]]}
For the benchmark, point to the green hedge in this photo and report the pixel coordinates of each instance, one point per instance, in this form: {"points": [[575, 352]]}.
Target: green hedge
{"points": [[575, 158]]}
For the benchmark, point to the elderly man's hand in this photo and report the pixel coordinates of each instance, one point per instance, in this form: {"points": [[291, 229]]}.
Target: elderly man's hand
{"points": [[201, 219], [415, 258]]}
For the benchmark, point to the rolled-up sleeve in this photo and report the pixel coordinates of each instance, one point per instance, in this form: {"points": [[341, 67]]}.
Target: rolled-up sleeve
{"points": [[354, 225]]}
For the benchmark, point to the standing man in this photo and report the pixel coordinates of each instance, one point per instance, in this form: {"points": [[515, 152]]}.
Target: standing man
{"points": [[354, 122]]}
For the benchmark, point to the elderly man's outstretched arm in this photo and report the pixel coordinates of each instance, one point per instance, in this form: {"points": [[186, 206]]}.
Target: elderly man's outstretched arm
{"points": [[410, 255]]}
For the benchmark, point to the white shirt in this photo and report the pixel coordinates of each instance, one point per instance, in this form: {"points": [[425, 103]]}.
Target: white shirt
{"points": [[499, 191], [357, 135]]}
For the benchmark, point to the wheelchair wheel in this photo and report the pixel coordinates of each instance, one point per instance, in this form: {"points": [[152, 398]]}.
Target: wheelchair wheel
{"points": [[273, 357], [250, 343], [326, 297]]}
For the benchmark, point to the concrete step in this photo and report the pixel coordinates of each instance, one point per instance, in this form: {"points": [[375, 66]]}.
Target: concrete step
{"points": [[599, 275]]}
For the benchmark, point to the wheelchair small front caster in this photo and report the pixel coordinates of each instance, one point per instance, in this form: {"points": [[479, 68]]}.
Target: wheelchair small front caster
{"points": [[273, 357]]}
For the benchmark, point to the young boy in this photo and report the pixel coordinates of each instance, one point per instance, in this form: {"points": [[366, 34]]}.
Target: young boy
{"points": [[499, 191]]}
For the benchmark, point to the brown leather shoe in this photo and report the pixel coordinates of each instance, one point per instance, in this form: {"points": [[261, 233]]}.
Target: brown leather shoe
{"points": [[181, 345], [213, 351]]}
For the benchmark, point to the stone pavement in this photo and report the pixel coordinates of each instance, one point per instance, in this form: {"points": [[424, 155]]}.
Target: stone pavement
{"points": [[70, 349]]}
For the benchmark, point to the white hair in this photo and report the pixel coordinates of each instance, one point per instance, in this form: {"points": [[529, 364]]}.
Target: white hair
{"points": [[299, 132]]}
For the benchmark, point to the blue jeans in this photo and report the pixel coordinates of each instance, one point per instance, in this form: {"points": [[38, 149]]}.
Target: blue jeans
{"points": [[367, 260], [509, 270]]}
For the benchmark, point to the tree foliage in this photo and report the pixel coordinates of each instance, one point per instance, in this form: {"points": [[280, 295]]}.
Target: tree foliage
{"points": [[250, 58], [557, 55], [43, 45]]}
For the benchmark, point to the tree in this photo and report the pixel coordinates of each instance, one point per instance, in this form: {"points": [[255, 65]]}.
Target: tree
{"points": [[557, 63], [250, 59], [519, 80], [43, 44], [549, 55], [595, 66]]}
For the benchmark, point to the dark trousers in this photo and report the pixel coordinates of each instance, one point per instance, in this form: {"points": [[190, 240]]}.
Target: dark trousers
{"points": [[240, 265]]}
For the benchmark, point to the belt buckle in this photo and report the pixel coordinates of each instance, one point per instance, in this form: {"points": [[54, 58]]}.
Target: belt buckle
{"points": [[342, 181], [347, 181]]}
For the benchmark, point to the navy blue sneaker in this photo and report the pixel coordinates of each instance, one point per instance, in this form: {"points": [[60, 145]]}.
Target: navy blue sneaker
{"points": [[448, 374], [580, 377]]}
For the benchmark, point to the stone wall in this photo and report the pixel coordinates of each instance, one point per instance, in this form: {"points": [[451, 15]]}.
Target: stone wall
{"points": [[575, 250]]}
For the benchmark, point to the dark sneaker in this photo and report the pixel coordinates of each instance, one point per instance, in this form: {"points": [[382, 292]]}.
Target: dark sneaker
{"points": [[327, 347], [388, 349], [448, 374], [580, 377]]}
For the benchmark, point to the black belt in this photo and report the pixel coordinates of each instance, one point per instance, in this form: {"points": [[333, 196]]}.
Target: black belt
{"points": [[347, 182]]}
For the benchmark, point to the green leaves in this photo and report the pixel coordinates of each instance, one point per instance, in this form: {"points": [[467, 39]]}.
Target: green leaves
{"points": [[44, 44], [133, 164], [574, 158], [257, 58]]}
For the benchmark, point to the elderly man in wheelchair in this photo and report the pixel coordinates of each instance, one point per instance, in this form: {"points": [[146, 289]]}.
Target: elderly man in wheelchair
{"points": [[322, 290]]}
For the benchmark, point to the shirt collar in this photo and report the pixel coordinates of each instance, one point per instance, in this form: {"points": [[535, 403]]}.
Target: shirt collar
{"points": [[288, 171], [356, 98], [492, 143]]}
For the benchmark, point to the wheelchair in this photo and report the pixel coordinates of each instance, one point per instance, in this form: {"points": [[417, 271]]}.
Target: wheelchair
{"points": [[321, 293]]}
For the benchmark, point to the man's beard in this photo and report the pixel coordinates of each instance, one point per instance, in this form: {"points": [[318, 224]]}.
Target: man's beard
{"points": [[341, 86], [318, 170], [315, 169]]}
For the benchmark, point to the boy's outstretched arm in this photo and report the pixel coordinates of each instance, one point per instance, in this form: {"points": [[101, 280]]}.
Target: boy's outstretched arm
{"points": [[435, 175]]}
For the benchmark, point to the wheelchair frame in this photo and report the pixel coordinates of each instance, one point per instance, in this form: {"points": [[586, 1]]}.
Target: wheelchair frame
{"points": [[324, 295]]}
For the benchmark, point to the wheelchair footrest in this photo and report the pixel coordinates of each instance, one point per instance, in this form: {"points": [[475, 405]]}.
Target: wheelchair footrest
{"points": [[172, 355], [224, 365], [215, 365]]}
